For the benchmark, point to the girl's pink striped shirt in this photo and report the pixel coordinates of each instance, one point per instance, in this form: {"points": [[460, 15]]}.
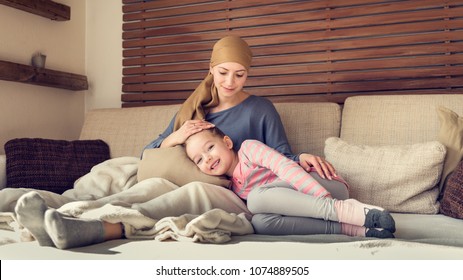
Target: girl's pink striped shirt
{"points": [[259, 165]]}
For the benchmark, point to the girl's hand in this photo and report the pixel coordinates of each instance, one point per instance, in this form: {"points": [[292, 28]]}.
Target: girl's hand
{"points": [[186, 130], [323, 168]]}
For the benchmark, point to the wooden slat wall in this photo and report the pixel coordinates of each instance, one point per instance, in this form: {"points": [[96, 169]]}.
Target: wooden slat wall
{"points": [[318, 50]]}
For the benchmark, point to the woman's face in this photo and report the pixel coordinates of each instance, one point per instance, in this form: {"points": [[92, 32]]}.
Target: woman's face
{"points": [[229, 78]]}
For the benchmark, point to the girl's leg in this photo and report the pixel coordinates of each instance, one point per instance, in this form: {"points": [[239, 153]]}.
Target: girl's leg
{"points": [[337, 187], [265, 199], [193, 198], [275, 224], [281, 198]]}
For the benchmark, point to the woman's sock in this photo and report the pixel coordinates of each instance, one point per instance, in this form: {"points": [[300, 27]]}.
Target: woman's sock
{"points": [[68, 232], [352, 230], [351, 211], [30, 210]]}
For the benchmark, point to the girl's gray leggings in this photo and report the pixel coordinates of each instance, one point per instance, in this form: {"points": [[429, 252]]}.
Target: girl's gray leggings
{"points": [[280, 210]]}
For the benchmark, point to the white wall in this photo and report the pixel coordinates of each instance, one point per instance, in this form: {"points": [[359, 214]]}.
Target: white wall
{"points": [[104, 53], [36, 111], [89, 44]]}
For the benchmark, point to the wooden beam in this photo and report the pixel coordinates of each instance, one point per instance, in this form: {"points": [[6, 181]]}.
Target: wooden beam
{"points": [[44, 8], [22, 73]]}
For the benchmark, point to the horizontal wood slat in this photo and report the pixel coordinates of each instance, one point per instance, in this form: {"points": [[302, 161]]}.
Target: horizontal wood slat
{"points": [[295, 19], [309, 50]]}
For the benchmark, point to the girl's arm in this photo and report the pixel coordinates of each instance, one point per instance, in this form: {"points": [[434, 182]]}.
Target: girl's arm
{"points": [[286, 169]]}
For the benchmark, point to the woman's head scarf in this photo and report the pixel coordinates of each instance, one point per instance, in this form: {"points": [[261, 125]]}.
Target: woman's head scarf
{"points": [[227, 49]]}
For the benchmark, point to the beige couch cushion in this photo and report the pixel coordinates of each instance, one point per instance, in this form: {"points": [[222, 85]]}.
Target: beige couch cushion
{"points": [[309, 124], [400, 178], [395, 119], [128, 130]]}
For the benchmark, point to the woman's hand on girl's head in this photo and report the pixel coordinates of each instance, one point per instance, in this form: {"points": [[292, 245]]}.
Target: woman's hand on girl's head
{"points": [[323, 168], [186, 130]]}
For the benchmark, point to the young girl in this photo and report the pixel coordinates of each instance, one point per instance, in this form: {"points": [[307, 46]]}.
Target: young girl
{"points": [[256, 168]]}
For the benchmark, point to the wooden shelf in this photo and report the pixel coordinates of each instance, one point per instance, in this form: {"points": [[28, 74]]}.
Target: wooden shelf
{"points": [[22, 73], [44, 8]]}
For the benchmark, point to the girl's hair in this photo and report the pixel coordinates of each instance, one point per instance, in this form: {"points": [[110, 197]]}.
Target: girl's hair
{"points": [[215, 131]]}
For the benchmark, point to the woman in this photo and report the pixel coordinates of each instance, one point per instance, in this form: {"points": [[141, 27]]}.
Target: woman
{"points": [[226, 104], [219, 100]]}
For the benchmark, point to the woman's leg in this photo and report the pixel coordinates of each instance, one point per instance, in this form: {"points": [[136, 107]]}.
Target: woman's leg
{"points": [[10, 196], [68, 232], [51, 228], [193, 198], [141, 192]]}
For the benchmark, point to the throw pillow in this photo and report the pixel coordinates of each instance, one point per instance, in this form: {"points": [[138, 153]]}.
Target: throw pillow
{"points": [[451, 135], [399, 178], [452, 200], [51, 165], [2, 171], [174, 165]]}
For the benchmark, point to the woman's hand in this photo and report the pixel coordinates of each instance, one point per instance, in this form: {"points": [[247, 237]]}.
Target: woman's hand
{"points": [[323, 168], [186, 130]]}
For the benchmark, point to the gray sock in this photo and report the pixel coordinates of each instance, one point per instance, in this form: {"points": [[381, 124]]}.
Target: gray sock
{"points": [[378, 233], [68, 232], [30, 209], [375, 218]]}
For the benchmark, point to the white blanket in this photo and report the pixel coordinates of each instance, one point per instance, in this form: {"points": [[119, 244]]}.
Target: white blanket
{"points": [[214, 226], [97, 195]]}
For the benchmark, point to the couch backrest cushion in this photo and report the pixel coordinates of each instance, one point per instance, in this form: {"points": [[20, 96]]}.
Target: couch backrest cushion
{"points": [[128, 130], [395, 119], [308, 125]]}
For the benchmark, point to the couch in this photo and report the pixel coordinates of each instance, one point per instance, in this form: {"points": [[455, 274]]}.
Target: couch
{"points": [[357, 137]]}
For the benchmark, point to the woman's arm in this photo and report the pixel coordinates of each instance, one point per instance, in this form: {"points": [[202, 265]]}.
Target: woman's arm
{"points": [[188, 128], [275, 137], [170, 138], [156, 143]]}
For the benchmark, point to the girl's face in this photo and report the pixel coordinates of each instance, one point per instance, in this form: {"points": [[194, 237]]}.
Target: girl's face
{"points": [[229, 78], [212, 154]]}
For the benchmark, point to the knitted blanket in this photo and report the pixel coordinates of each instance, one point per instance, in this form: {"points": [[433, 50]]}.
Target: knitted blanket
{"points": [[98, 196]]}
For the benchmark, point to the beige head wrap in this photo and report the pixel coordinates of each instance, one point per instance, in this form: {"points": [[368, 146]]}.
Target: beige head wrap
{"points": [[227, 49]]}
